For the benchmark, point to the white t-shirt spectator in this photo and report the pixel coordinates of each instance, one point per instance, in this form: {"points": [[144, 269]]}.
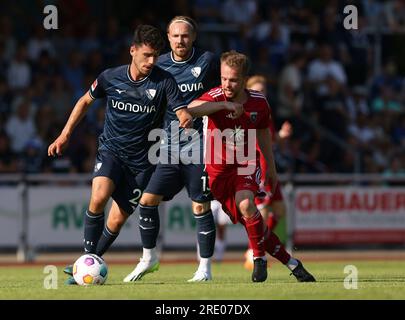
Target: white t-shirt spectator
{"points": [[20, 132], [19, 75], [320, 70]]}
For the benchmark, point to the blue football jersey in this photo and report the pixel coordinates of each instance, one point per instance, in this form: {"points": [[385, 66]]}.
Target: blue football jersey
{"points": [[133, 109], [194, 76]]}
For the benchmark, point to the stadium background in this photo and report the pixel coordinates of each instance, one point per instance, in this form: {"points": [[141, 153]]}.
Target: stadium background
{"points": [[348, 122]]}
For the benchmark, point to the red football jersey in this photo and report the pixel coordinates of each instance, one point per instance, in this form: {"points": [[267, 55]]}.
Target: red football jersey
{"points": [[226, 136]]}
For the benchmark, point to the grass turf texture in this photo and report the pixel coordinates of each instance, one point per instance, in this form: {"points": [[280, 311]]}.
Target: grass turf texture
{"points": [[376, 280]]}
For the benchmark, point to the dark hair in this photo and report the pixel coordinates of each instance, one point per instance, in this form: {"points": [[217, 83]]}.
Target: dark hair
{"points": [[149, 35]]}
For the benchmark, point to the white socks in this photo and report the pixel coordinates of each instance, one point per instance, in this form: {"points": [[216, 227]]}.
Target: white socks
{"points": [[149, 254], [205, 265], [292, 263]]}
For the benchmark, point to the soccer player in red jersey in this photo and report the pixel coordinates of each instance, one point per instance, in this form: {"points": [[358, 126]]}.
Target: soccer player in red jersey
{"points": [[232, 168], [271, 206]]}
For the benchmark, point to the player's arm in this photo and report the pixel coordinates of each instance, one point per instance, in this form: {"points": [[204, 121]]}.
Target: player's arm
{"points": [[200, 108], [185, 118], [265, 145], [76, 115]]}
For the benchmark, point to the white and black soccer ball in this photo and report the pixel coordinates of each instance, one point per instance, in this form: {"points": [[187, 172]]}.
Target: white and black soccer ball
{"points": [[90, 269]]}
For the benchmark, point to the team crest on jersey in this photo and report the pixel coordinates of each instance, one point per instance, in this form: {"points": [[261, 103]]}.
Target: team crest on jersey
{"points": [[196, 71], [94, 85], [253, 116], [97, 166], [150, 93]]}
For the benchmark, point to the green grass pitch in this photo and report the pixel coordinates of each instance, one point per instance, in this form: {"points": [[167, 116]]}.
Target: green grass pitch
{"points": [[376, 280]]}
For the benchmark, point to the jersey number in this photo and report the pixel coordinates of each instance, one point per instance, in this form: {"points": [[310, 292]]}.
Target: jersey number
{"points": [[138, 194]]}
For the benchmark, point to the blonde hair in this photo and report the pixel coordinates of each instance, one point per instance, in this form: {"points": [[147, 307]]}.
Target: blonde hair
{"points": [[256, 79], [185, 19], [236, 60]]}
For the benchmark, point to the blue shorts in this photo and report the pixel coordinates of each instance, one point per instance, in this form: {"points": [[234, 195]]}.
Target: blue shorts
{"points": [[129, 185], [168, 180]]}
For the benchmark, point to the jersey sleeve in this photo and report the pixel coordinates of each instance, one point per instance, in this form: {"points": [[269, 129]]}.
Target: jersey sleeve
{"points": [[208, 96], [265, 120], [175, 100], [97, 88]]}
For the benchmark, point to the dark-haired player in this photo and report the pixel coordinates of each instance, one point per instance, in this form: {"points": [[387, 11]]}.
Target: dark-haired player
{"points": [[137, 95]]}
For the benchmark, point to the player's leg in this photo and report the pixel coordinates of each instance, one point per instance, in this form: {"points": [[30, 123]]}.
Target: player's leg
{"points": [[221, 220], [126, 198], [163, 185], [102, 188], [196, 182], [107, 176], [206, 233], [149, 226], [115, 221], [253, 222], [277, 250]]}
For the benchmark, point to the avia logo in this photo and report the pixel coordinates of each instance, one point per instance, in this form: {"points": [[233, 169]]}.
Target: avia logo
{"points": [[120, 91], [97, 166], [150, 93], [196, 71]]}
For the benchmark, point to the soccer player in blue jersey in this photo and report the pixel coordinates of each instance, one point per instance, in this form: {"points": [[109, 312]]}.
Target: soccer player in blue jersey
{"points": [[195, 71], [137, 95]]}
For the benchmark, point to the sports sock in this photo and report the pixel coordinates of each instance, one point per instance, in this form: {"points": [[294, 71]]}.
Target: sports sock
{"points": [[292, 263], [106, 240], [220, 247], [275, 248], [205, 265], [149, 254], [254, 227], [271, 221], [93, 227], [206, 233], [149, 225]]}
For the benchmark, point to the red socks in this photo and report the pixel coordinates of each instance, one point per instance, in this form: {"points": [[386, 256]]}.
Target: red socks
{"points": [[255, 229], [275, 248]]}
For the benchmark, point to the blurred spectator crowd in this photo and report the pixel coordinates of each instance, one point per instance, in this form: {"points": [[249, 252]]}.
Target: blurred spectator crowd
{"points": [[342, 90]]}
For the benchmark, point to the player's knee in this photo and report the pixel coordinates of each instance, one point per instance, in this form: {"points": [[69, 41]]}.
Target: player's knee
{"points": [[98, 201], [247, 207], [200, 208], [115, 222], [150, 200]]}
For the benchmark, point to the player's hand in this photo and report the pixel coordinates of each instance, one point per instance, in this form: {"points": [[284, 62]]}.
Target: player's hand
{"points": [[270, 183], [235, 108], [286, 130], [58, 146], [185, 118]]}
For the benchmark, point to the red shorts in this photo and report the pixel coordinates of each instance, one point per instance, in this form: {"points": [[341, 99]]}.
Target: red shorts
{"points": [[225, 185], [267, 201]]}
